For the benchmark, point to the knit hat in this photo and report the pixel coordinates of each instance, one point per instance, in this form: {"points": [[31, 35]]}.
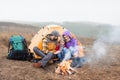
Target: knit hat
{"points": [[55, 33]]}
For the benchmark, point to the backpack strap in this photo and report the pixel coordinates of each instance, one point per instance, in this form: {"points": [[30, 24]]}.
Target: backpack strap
{"points": [[9, 47], [25, 43]]}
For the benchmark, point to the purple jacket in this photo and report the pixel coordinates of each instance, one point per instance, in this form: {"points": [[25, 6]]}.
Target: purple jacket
{"points": [[72, 43]]}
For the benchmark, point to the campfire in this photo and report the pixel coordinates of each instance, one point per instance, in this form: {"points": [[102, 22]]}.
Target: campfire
{"points": [[64, 68]]}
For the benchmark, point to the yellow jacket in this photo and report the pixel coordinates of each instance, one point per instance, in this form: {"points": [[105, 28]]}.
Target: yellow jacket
{"points": [[46, 47]]}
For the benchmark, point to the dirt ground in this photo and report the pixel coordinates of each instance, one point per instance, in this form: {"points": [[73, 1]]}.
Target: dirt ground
{"points": [[106, 68]]}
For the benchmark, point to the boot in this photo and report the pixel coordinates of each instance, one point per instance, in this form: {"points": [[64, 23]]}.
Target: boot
{"points": [[37, 65]]}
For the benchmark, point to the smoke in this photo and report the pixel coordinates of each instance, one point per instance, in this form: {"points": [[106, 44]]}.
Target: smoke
{"points": [[114, 36], [100, 50], [99, 54]]}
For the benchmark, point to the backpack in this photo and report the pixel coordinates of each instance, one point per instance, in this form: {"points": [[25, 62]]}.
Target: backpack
{"points": [[17, 48]]}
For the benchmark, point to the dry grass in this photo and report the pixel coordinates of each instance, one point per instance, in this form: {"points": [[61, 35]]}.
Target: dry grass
{"points": [[26, 32], [23, 70], [4, 37]]}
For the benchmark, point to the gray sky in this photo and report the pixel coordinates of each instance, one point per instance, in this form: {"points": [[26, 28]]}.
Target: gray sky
{"points": [[102, 11]]}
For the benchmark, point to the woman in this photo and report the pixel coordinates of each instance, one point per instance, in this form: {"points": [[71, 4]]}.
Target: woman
{"points": [[71, 50]]}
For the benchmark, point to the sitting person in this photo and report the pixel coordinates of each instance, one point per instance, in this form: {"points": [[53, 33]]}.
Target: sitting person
{"points": [[71, 50], [50, 45]]}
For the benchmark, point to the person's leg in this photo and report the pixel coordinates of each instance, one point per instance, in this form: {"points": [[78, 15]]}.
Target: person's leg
{"points": [[38, 52], [61, 55], [78, 62], [83, 60], [66, 54], [45, 59], [74, 51]]}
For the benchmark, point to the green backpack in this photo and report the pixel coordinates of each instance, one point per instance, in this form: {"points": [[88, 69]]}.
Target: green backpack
{"points": [[17, 48], [18, 42]]}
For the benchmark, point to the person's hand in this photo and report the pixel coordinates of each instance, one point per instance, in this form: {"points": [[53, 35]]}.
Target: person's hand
{"points": [[57, 52], [62, 42]]}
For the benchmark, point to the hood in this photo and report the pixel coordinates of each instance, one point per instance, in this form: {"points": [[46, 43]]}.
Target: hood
{"points": [[67, 33]]}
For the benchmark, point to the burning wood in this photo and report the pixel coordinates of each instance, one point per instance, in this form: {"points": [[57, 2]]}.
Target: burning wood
{"points": [[64, 68]]}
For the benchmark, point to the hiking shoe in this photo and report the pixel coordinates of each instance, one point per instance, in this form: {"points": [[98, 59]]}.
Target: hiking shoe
{"points": [[37, 65]]}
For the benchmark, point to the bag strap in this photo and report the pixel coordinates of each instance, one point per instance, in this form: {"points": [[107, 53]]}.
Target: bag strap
{"points": [[25, 43], [9, 46]]}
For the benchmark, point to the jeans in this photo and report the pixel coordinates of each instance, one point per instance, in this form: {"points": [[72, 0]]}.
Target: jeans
{"points": [[38, 52], [66, 54], [78, 61], [45, 57], [63, 53]]}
